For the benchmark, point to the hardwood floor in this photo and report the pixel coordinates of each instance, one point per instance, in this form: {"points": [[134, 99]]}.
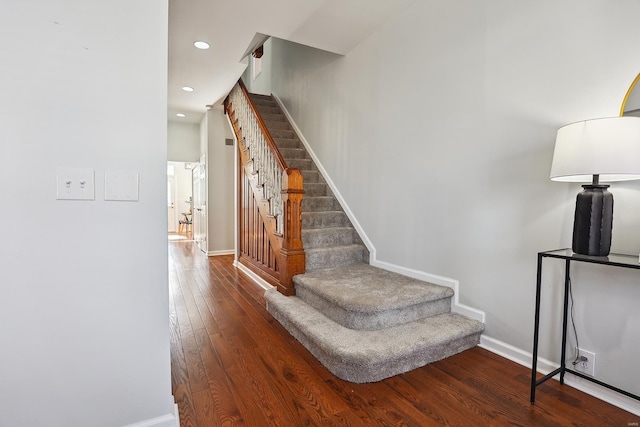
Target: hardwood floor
{"points": [[234, 365]]}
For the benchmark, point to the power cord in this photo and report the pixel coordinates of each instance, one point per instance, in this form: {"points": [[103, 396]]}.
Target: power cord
{"points": [[578, 358]]}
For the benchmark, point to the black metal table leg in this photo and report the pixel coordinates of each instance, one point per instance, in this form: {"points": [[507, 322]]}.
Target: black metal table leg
{"points": [[536, 329], [567, 280]]}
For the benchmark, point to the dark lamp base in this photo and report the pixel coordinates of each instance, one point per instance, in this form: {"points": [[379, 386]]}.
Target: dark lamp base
{"points": [[593, 221]]}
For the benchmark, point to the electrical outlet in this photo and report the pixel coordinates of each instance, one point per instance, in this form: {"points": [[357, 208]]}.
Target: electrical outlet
{"points": [[588, 366]]}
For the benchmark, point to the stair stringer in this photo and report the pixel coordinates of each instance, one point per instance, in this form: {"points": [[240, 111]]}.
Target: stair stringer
{"points": [[457, 307]]}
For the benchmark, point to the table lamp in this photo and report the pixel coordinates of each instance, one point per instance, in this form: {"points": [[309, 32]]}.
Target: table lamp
{"points": [[598, 150]]}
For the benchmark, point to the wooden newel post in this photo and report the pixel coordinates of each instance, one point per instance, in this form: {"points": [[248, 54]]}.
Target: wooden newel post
{"points": [[292, 257]]}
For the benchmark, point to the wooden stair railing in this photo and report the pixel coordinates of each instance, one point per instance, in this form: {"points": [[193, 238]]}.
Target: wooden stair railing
{"points": [[270, 198]]}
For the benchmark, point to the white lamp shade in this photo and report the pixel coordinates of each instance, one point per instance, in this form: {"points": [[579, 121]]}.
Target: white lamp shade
{"points": [[607, 147]]}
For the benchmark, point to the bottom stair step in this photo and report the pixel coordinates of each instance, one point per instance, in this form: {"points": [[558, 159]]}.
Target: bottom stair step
{"points": [[364, 297], [369, 356]]}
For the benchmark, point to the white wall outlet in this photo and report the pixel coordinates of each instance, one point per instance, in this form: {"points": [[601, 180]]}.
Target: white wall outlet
{"points": [[587, 366], [75, 184]]}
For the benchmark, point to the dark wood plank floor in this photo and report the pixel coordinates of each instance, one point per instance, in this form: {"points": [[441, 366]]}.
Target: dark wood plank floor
{"points": [[234, 365]]}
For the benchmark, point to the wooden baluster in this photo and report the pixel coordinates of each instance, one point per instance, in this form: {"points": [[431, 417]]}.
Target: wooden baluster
{"points": [[292, 256]]}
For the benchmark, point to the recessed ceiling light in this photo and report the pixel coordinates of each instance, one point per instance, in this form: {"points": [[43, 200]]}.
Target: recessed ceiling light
{"points": [[187, 88], [201, 45], [181, 115]]}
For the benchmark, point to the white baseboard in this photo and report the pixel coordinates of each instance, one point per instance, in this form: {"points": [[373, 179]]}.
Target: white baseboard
{"points": [[456, 307], [223, 252], [169, 420], [253, 276], [545, 366], [176, 411]]}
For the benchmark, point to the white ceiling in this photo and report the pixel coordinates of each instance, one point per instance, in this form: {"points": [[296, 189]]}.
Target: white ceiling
{"points": [[232, 27]]}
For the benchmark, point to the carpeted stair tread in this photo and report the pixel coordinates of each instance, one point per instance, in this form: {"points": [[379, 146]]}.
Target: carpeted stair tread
{"points": [[265, 110], [262, 103], [277, 125], [315, 189], [368, 356], [364, 297], [287, 142], [268, 116], [282, 133], [310, 176], [323, 219], [262, 100], [302, 164], [318, 204], [329, 236], [334, 256], [293, 153]]}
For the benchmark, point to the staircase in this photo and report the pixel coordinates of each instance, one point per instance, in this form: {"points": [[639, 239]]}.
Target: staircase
{"points": [[328, 236], [361, 322]]}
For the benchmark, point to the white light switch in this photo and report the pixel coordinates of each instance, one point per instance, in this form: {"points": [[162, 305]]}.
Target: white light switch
{"points": [[75, 184], [121, 185]]}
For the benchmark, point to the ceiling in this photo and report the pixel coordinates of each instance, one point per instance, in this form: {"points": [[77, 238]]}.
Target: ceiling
{"points": [[233, 28]]}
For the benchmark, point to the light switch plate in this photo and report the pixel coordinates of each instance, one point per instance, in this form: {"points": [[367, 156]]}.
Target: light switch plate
{"points": [[120, 185], [75, 184]]}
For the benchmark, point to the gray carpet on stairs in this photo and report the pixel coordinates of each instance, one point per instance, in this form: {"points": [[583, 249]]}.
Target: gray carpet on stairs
{"points": [[368, 298], [363, 323], [369, 356]]}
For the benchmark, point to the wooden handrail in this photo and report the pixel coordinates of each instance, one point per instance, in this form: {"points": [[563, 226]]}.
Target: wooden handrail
{"points": [[267, 135]]}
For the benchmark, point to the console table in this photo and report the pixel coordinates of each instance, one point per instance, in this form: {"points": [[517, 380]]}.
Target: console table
{"points": [[614, 260]]}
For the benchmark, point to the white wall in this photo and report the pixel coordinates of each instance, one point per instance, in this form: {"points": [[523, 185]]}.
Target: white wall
{"points": [[84, 319], [183, 142], [220, 185], [439, 132]]}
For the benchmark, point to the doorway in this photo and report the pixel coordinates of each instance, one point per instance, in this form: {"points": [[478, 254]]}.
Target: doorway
{"points": [[179, 200]]}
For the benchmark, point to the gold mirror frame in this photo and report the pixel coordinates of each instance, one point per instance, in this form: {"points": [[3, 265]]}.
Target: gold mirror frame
{"points": [[626, 97]]}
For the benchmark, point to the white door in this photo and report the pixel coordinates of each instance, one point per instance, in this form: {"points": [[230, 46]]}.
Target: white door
{"points": [[171, 204], [200, 205]]}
